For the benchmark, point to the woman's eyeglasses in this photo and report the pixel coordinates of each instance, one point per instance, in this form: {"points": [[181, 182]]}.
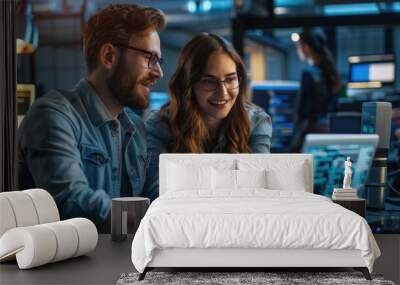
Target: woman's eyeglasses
{"points": [[153, 58], [210, 83]]}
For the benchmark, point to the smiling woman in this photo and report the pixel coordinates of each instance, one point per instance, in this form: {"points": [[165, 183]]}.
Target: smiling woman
{"points": [[216, 97], [209, 111]]}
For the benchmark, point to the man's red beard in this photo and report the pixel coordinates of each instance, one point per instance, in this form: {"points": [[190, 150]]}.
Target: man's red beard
{"points": [[122, 87]]}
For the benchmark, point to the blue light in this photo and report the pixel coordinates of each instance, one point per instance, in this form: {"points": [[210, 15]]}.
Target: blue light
{"points": [[275, 87], [360, 72], [191, 6], [205, 6], [280, 3], [396, 6], [222, 4], [351, 9], [157, 100]]}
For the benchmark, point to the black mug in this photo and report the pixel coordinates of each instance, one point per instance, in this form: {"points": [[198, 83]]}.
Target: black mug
{"points": [[126, 214]]}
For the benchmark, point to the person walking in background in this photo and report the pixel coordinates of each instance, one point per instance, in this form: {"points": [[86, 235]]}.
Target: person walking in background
{"points": [[208, 111], [319, 88]]}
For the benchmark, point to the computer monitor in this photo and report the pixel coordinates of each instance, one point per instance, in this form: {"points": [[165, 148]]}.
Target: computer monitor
{"points": [[372, 71], [330, 152], [344, 123], [25, 98]]}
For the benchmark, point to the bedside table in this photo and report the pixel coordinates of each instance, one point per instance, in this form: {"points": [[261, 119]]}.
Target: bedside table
{"points": [[357, 205]]}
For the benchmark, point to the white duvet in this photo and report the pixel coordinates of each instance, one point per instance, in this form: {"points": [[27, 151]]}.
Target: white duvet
{"points": [[252, 218]]}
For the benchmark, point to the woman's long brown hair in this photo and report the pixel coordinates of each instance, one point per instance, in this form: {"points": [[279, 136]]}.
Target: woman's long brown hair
{"points": [[316, 40], [189, 132]]}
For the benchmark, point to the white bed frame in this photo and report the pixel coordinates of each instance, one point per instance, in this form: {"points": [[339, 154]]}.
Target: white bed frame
{"points": [[245, 258]]}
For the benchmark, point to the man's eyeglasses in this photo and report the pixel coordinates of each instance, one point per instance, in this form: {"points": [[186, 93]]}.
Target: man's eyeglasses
{"points": [[211, 83], [153, 58]]}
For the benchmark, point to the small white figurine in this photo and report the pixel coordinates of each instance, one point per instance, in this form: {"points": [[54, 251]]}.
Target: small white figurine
{"points": [[347, 174]]}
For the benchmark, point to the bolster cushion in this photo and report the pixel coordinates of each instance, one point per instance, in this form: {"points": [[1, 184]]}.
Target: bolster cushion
{"points": [[40, 244], [26, 208]]}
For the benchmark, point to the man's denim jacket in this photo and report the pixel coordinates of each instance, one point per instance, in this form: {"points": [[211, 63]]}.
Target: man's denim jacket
{"points": [[159, 138], [70, 145]]}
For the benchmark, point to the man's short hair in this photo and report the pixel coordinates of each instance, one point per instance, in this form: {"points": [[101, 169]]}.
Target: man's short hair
{"points": [[116, 24]]}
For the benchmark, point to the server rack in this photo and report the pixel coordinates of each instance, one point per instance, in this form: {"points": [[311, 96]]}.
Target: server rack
{"points": [[278, 99]]}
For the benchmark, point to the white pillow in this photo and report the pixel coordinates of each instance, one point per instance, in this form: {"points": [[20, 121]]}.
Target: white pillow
{"points": [[252, 178], [224, 179], [280, 174], [182, 177], [235, 179], [281, 180]]}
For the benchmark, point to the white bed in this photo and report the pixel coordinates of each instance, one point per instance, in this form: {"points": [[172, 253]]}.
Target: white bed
{"points": [[247, 210]]}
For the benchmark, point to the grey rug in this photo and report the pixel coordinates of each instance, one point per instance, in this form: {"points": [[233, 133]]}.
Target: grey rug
{"points": [[269, 278]]}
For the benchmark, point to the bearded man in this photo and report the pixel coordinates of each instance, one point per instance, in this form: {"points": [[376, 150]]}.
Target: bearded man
{"points": [[86, 146]]}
